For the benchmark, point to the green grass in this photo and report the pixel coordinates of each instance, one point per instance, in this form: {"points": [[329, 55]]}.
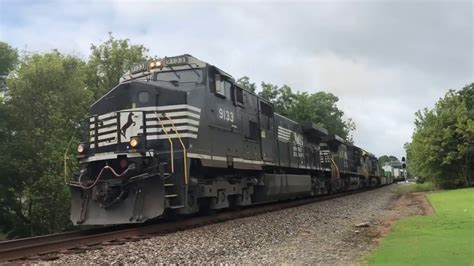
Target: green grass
{"points": [[415, 187], [444, 238]]}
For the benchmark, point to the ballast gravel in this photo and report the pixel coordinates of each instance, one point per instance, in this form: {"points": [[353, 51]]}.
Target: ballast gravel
{"points": [[324, 233]]}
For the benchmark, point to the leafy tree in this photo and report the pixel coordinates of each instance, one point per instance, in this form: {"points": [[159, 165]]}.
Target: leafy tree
{"points": [[8, 61], [385, 159], [47, 99], [109, 61], [282, 98], [393, 158], [319, 108], [269, 92], [245, 82], [286, 101], [442, 146]]}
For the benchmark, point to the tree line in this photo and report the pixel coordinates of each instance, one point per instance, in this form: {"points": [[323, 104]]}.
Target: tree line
{"points": [[442, 144], [43, 99]]}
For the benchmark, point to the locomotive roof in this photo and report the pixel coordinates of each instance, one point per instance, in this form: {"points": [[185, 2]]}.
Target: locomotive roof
{"points": [[312, 128], [336, 138], [363, 152], [180, 62]]}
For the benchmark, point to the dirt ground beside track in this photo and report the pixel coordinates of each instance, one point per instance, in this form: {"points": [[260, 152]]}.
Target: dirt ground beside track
{"points": [[401, 206]]}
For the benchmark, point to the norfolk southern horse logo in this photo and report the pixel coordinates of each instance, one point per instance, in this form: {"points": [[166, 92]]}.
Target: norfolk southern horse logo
{"points": [[129, 123]]}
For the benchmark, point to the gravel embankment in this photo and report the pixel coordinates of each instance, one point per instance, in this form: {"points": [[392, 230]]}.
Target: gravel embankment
{"points": [[318, 233]]}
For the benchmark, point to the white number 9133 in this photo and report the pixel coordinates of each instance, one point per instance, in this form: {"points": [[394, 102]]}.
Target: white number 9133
{"points": [[226, 115]]}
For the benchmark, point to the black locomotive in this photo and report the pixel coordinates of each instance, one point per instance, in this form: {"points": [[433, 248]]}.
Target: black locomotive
{"points": [[179, 135]]}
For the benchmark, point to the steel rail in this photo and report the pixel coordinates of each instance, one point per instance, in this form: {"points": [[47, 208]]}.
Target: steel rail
{"points": [[10, 248], [41, 245]]}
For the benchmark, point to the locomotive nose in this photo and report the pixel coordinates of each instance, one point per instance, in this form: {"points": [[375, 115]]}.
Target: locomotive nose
{"points": [[121, 204], [124, 131]]}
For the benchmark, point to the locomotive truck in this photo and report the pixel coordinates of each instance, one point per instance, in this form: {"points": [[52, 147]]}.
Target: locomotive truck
{"points": [[178, 135]]}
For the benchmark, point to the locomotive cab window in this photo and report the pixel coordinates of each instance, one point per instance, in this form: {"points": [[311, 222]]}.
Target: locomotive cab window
{"points": [[266, 109], [181, 76], [239, 96], [223, 87], [219, 86]]}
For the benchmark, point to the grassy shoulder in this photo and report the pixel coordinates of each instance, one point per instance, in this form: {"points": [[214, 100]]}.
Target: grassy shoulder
{"points": [[444, 238], [415, 187]]}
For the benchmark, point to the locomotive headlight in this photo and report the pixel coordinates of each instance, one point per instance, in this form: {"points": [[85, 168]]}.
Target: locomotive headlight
{"points": [[133, 142], [155, 64], [81, 148]]}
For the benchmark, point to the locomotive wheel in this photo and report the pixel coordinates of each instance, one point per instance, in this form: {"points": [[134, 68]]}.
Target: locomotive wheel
{"points": [[234, 201], [205, 206]]}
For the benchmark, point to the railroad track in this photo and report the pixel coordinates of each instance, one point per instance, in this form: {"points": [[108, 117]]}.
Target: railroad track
{"points": [[41, 247]]}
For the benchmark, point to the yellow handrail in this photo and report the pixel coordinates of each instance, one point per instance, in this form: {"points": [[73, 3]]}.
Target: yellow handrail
{"points": [[169, 140], [337, 168], [185, 159]]}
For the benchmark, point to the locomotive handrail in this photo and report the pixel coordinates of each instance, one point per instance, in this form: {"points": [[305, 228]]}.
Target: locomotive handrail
{"points": [[100, 175], [337, 168], [169, 140], [185, 159]]}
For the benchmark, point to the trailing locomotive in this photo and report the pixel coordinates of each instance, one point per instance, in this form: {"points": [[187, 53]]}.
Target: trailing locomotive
{"points": [[180, 135]]}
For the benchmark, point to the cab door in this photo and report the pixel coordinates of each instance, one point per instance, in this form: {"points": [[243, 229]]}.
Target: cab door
{"points": [[223, 123], [267, 138]]}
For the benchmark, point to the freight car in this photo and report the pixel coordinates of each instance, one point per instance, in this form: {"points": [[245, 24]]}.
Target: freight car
{"points": [[178, 135]]}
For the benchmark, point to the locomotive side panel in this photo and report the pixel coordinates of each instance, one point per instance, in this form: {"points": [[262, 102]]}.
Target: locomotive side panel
{"points": [[313, 137], [290, 143], [250, 141], [230, 127]]}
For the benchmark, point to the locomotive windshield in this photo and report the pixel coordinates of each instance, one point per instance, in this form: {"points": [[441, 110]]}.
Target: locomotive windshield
{"points": [[181, 76]]}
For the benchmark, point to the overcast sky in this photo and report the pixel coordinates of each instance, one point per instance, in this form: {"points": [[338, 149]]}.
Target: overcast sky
{"points": [[383, 59]]}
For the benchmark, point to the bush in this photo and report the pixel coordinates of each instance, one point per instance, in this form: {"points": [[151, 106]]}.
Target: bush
{"points": [[420, 180]]}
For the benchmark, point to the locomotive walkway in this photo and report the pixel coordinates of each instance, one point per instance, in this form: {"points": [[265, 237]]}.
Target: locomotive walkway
{"points": [[94, 242]]}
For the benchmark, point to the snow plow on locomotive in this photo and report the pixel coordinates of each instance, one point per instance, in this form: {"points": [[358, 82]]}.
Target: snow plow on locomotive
{"points": [[179, 135]]}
